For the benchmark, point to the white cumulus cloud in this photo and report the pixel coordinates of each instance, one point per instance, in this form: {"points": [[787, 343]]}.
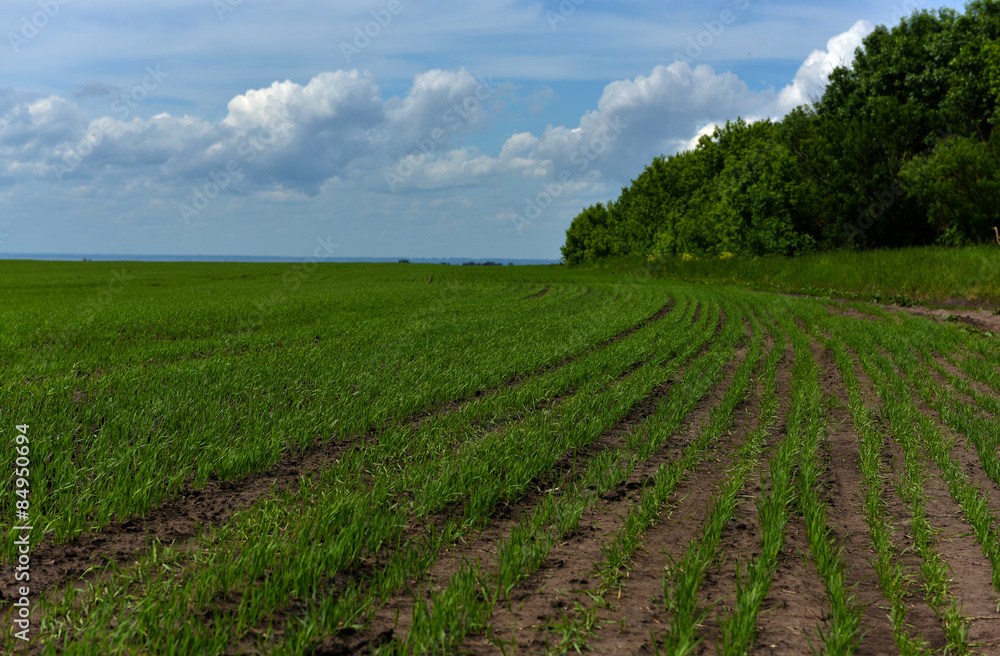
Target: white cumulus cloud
{"points": [[337, 131], [813, 75]]}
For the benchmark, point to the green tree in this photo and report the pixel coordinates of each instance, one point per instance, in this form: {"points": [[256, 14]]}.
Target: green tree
{"points": [[900, 150], [958, 183], [759, 195], [589, 236]]}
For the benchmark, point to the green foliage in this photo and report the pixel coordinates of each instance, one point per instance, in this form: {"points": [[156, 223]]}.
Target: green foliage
{"points": [[959, 184], [759, 194], [901, 150], [588, 238]]}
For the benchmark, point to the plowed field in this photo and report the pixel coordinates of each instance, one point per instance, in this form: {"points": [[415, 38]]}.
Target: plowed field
{"points": [[432, 459]]}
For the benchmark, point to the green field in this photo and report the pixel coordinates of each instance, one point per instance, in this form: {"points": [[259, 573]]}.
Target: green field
{"points": [[968, 276], [403, 458]]}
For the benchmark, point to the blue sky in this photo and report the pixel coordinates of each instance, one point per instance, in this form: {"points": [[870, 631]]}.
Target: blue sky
{"points": [[392, 127]]}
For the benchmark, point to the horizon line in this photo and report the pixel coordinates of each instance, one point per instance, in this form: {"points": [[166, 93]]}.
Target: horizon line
{"points": [[126, 257]]}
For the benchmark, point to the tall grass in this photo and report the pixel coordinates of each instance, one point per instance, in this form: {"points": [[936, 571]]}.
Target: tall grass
{"points": [[931, 274]]}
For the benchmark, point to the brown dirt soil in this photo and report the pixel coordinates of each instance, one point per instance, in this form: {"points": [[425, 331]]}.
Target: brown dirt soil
{"points": [[919, 615], [795, 602], [396, 614], [569, 573], [971, 571], [837, 308], [741, 537], [981, 319], [568, 577], [796, 605], [176, 522], [845, 511], [543, 292], [181, 519]]}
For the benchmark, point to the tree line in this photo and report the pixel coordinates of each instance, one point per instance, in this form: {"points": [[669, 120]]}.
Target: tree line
{"points": [[902, 149]]}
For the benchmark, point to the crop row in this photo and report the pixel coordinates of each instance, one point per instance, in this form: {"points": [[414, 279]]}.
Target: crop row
{"points": [[368, 501], [450, 418]]}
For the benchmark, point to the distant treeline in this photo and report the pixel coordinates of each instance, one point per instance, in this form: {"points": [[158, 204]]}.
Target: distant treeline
{"points": [[469, 263], [902, 149]]}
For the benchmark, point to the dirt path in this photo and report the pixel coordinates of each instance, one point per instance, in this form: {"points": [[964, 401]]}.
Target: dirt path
{"points": [[981, 319]]}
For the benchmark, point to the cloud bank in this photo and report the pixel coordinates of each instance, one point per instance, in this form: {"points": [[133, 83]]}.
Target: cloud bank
{"points": [[338, 133]]}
